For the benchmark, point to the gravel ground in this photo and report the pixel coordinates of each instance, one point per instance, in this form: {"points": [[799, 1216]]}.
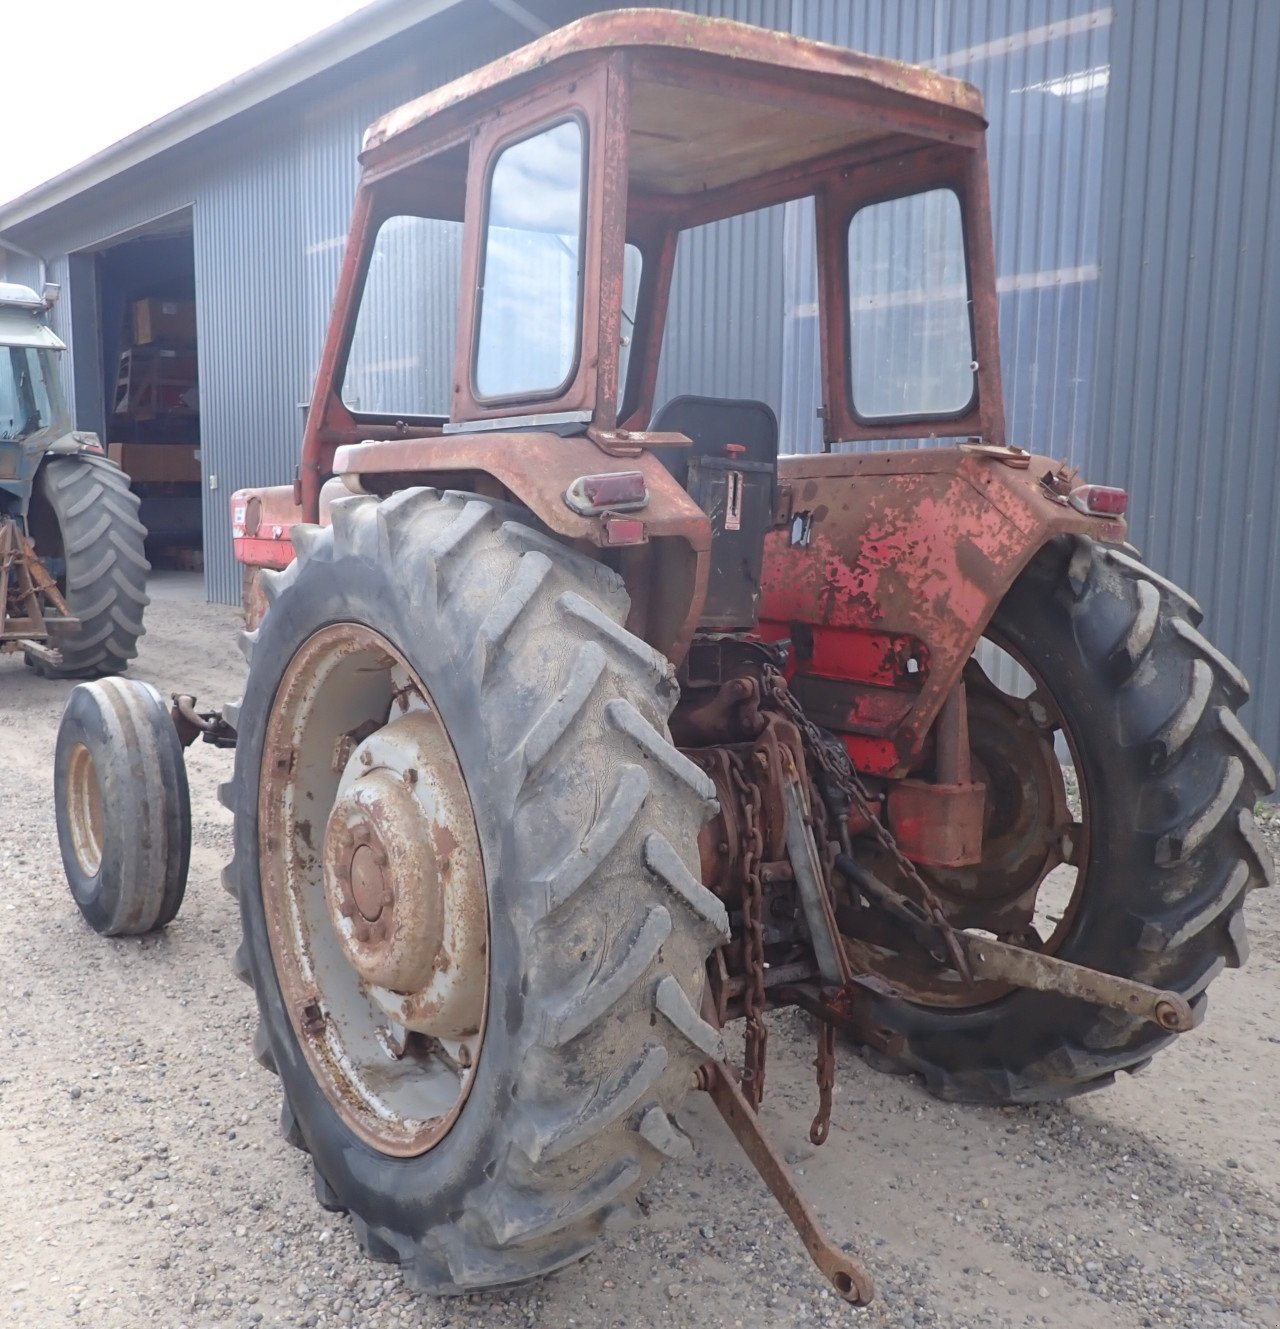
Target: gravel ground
{"points": [[142, 1181]]}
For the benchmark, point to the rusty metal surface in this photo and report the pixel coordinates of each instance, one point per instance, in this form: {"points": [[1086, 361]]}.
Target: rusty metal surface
{"points": [[537, 469], [1029, 828], [260, 522], [715, 46], [846, 1274], [373, 889], [29, 593], [938, 825], [404, 877], [812, 886], [1000, 962], [922, 545]]}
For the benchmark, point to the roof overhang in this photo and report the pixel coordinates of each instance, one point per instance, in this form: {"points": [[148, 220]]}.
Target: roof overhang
{"points": [[719, 46], [368, 27]]}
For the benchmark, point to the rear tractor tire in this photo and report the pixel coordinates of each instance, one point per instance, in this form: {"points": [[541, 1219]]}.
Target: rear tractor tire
{"points": [[122, 807], [430, 661], [1169, 849], [84, 520]]}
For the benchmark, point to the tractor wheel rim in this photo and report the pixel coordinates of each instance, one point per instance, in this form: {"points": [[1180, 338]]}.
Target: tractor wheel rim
{"points": [[374, 890], [84, 809], [1041, 907]]}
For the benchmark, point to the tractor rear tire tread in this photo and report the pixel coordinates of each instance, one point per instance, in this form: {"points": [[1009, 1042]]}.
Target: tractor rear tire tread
{"points": [[603, 1035], [1174, 779], [89, 499]]}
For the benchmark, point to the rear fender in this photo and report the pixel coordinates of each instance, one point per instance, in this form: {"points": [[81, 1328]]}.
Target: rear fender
{"points": [[888, 570], [663, 560]]}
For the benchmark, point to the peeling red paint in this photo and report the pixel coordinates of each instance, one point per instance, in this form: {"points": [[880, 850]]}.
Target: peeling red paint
{"points": [[903, 547]]}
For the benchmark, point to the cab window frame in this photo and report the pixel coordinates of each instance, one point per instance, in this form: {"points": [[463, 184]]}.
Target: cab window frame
{"points": [[572, 115]]}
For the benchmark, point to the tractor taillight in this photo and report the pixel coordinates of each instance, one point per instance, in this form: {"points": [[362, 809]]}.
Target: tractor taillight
{"points": [[614, 491], [1099, 500], [616, 531]]}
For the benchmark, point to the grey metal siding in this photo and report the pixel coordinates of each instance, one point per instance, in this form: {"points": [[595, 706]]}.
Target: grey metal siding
{"points": [[270, 195], [1133, 151], [1042, 69], [271, 191], [1188, 387]]}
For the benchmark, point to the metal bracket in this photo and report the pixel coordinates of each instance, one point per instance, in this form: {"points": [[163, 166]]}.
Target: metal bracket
{"points": [[833, 964], [846, 1274], [1000, 961]]}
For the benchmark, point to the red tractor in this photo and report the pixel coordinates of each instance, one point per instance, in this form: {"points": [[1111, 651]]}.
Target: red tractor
{"points": [[579, 728]]}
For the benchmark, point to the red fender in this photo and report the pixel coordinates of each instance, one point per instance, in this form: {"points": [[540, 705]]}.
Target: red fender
{"points": [[888, 570]]}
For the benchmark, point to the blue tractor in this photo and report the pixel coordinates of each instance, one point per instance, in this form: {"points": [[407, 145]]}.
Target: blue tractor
{"points": [[72, 562]]}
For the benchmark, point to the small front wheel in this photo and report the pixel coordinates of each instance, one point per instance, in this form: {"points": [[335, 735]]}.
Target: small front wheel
{"points": [[123, 810]]}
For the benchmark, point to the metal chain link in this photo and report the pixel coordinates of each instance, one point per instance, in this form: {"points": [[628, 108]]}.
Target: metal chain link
{"points": [[753, 998], [840, 770], [826, 1064]]}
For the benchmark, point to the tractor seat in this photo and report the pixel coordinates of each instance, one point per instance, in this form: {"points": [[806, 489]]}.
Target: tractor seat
{"points": [[713, 423]]}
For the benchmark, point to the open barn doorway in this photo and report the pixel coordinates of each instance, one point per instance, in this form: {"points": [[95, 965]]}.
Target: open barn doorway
{"points": [[149, 392]]}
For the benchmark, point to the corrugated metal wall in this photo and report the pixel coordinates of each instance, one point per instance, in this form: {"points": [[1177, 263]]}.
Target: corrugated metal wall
{"points": [[1188, 392], [271, 194], [1133, 152], [1042, 66]]}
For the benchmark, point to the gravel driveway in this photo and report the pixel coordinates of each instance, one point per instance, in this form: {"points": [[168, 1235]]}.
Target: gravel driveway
{"points": [[142, 1180]]}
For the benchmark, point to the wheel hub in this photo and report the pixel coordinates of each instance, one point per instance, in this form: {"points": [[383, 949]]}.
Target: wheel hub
{"points": [[383, 882], [373, 888], [403, 877]]}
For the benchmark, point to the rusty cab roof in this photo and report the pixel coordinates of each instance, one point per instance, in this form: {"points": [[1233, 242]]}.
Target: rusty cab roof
{"points": [[714, 102]]}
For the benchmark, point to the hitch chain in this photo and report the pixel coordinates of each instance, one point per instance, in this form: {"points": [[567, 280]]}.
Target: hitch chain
{"points": [[841, 775], [753, 998], [820, 1127]]}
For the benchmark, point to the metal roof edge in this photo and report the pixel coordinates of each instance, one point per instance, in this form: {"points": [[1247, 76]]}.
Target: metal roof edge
{"points": [[367, 27]]}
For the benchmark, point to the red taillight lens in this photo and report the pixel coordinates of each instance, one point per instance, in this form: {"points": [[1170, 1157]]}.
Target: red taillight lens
{"points": [[614, 491], [623, 531], [1099, 500]]}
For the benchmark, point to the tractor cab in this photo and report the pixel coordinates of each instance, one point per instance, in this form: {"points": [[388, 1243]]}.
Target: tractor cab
{"points": [[33, 413], [510, 267], [545, 196]]}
